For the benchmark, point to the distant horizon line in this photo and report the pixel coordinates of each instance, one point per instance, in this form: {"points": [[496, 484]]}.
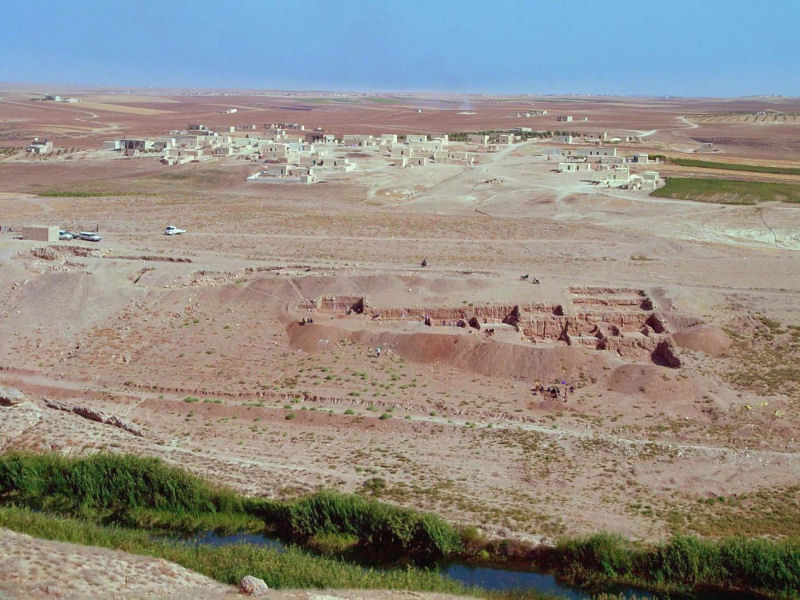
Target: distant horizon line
{"points": [[122, 89]]}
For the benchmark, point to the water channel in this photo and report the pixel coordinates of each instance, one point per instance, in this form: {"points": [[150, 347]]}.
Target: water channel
{"points": [[488, 578]]}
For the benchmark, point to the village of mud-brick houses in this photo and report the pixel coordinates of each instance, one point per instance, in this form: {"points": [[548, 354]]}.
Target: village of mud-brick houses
{"points": [[288, 153]]}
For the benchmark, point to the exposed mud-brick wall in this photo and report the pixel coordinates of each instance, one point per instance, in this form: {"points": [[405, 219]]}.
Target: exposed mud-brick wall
{"points": [[341, 303], [635, 303], [543, 328], [592, 291], [587, 341], [585, 322], [490, 313], [617, 320], [418, 313], [630, 348], [543, 308]]}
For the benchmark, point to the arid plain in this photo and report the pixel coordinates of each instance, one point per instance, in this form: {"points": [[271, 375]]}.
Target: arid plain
{"points": [[675, 322]]}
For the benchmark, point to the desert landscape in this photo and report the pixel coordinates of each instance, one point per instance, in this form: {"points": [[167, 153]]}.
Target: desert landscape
{"points": [[488, 337]]}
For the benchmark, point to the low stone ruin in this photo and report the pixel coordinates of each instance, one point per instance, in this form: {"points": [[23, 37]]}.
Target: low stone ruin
{"points": [[619, 320]]}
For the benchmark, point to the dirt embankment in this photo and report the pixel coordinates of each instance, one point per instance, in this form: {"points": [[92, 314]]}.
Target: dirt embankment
{"points": [[33, 569], [704, 338], [472, 353]]}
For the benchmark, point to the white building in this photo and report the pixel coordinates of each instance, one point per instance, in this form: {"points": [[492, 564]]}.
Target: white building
{"points": [[359, 141], [596, 151], [412, 161], [573, 167], [55, 98], [48, 233], [38, 146], [616, 177], [612, 160], [299, 147], [342, 164], [454, 156], [429, 147], [400, 149], [650, 179]]}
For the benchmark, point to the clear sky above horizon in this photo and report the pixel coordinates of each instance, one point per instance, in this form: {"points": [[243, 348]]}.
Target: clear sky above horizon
{"points": [[669, 47]]}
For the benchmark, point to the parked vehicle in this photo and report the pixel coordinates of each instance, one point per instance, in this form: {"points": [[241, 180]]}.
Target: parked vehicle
{"points": [[172, 230], [63, 234], [89, 236]]}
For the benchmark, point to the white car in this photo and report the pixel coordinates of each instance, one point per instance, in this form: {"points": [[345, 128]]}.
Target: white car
{"points": [[172, 230], [63, 234], [89, 236]]}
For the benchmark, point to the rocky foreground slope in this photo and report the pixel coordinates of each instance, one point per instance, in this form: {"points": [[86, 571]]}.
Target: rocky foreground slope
{"points": [[32, 568]]}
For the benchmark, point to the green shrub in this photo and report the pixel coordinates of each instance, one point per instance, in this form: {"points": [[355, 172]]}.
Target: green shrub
{"points": [[604, 554], [292, 569], [683, 562], [108, 483], [707, 164], [381, 528], [151, 497], [727, 191]]}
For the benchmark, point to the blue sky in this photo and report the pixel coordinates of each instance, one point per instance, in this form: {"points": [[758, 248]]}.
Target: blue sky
{"points": [[669, 47]]}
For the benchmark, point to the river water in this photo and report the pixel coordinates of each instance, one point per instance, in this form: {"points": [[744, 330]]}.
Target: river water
{"points": [[488, 578]]}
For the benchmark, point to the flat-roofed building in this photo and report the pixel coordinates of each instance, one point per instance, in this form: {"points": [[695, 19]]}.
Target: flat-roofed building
{"points": [[359, 141], [650, 179], [412, 161], [616, 177], [40, 233], [39, 146], [596, 151], [573, 167], [140, 144]]}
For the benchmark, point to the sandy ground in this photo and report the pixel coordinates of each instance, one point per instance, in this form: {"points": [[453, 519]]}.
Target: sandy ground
{"points": [[196, 342], [664, 123], [34, 568]]}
